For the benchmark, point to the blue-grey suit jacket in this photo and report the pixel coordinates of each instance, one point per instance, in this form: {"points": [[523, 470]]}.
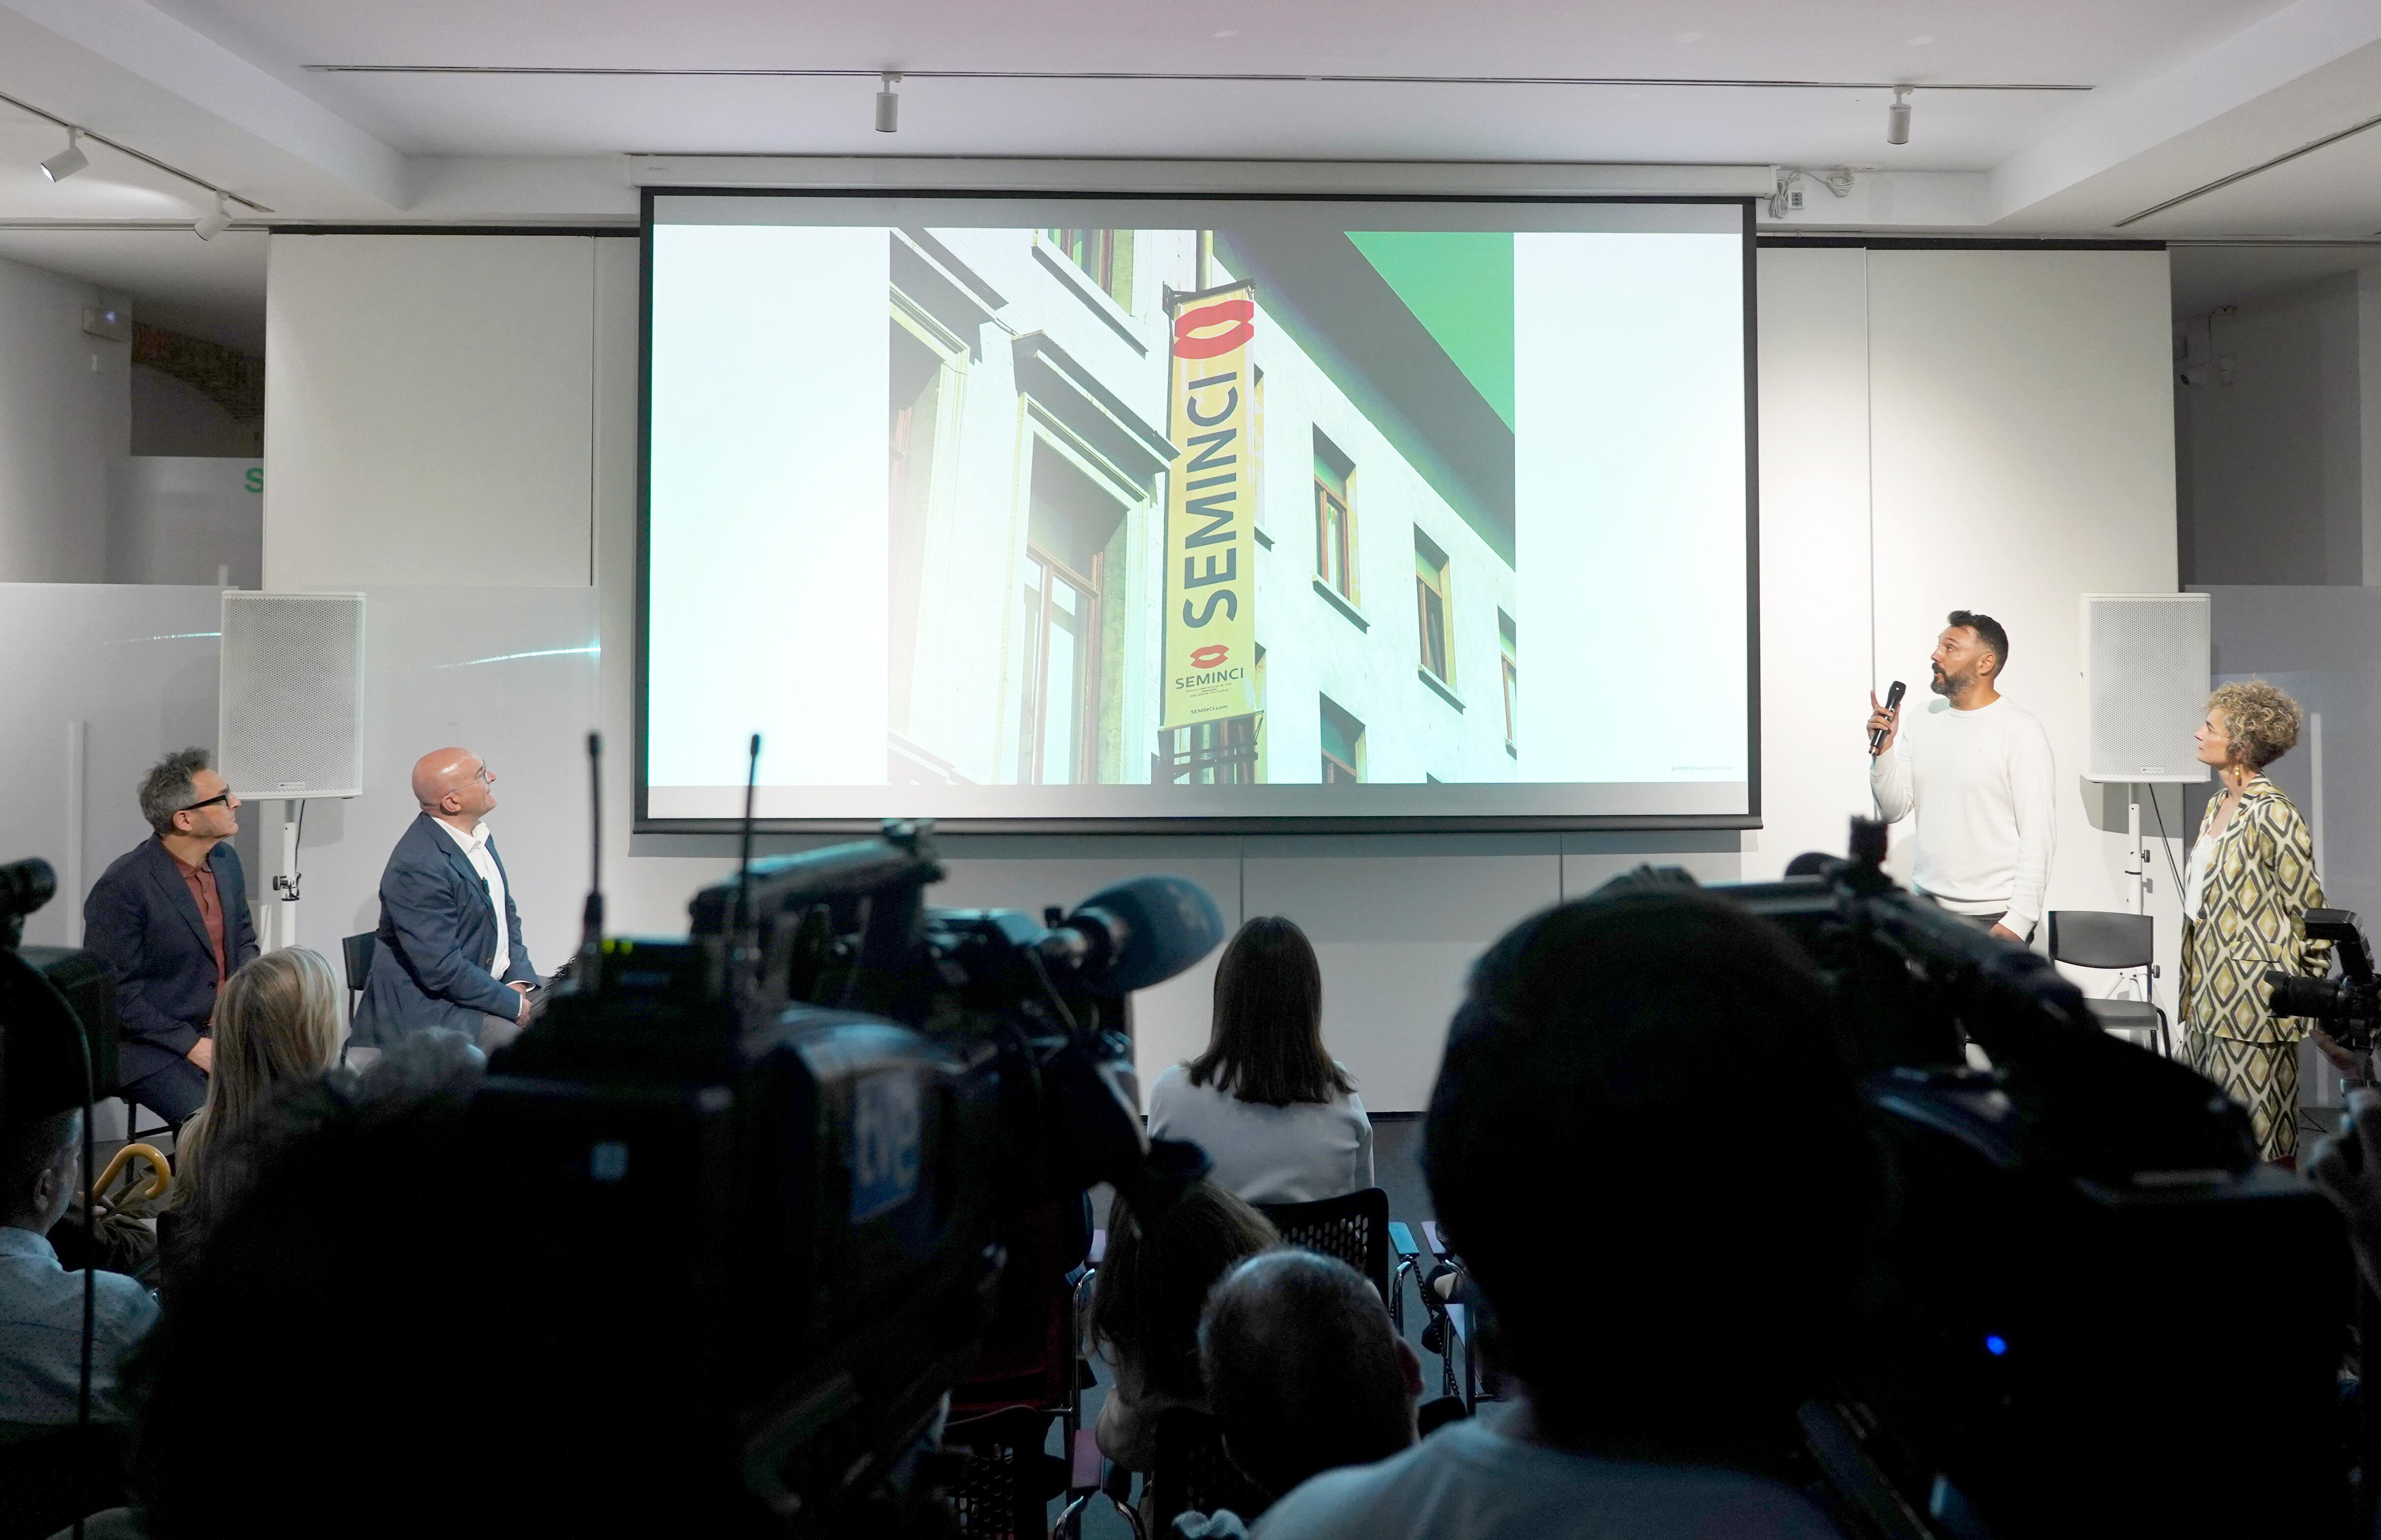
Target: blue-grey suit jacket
{"points": [[437, 936], [140, 919]]}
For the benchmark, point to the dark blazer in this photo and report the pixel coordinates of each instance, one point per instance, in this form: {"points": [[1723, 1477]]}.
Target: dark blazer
{"points": [[437, 936], [140, 918]]}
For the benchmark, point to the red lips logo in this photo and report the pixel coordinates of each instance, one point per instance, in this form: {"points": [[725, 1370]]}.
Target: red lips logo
{"points": [[1208, 657], [1233, 316]]}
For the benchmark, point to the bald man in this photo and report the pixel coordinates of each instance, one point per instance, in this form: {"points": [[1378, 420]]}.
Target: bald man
{"points": [[448, 952]]}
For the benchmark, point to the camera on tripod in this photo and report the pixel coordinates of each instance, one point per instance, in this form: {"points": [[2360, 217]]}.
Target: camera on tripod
{"points": [[867, 1125], [2349, 1007]]}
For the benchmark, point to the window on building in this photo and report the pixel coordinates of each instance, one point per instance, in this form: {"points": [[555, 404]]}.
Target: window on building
{"points": [[1057, 656], [1512, 651], [1335, 517], [1104, 255], [1431, 609], [1343, 745]]}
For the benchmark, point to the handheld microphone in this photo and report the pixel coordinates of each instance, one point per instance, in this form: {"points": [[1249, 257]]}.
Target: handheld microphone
{"points": [[1892, 701]]}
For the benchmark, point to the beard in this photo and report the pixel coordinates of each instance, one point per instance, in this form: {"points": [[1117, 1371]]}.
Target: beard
{"points": [[1948, 685]]}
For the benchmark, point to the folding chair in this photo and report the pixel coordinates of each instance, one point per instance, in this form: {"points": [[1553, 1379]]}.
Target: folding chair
{"points": [[2114, 942]]}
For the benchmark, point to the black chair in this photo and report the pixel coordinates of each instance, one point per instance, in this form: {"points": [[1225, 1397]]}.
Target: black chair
{"points": [[2098, 938], [1354, 1227], [1194, 1474], [1004, 1489], [358, 950]]}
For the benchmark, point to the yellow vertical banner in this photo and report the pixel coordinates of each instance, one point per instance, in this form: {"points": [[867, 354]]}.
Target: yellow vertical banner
{"points": [[1210, 580]]}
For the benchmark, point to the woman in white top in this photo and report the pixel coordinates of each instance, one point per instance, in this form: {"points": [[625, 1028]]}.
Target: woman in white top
{"points": [[1276, 1113]]}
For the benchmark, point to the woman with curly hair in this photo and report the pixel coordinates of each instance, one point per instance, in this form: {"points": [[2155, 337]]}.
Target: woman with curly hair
{"points": [[2251, 882]]}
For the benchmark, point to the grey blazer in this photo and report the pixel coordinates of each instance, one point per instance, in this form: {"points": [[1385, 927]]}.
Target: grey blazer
{"points": [[437, 936]]}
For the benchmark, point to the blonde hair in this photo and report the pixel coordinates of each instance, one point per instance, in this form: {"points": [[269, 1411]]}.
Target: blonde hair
{"points": [[276, 1022], [2262, 721]]}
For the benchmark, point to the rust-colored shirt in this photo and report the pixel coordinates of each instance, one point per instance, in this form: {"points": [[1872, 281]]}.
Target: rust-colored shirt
{"points": [[200, 880]]}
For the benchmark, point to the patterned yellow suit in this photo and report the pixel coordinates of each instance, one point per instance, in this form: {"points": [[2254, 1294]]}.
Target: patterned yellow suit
{"points": [[2260, 884]]}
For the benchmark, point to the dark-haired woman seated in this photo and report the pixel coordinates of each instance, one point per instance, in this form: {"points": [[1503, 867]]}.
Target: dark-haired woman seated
{"points": [[1276, 1114], [1146, 1299]]}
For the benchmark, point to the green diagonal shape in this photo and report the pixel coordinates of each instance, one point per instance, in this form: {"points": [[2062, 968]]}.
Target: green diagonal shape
{"points": [[1458, 284]]}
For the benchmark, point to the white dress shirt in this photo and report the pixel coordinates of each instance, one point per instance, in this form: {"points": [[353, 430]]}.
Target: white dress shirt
{"points": [[475, 849]]}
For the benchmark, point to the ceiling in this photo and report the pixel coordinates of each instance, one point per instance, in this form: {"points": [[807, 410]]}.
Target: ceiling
{"points": [[262, 98]]}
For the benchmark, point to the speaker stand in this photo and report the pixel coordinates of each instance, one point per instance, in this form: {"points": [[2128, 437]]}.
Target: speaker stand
{"points": [[284, 882]]}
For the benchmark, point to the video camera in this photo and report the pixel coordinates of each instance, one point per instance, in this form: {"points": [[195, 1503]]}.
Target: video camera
{"points": [[57, 1009], [2349, 1005], [2098, 1312], [854, 1116]]}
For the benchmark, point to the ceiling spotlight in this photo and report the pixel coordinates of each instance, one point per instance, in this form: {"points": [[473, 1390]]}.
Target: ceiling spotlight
{"points": [[68, 161], [1897, 118], [215, 221], [888, 106]]}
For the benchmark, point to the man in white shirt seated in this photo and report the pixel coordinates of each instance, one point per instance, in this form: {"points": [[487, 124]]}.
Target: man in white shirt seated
{"points": [[1646, 1142], [1977, 770], [40, 1304]]}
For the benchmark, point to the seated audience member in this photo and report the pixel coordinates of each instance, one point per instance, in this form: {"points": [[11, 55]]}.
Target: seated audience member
{"points": [[1146, 1300], [278, 1026], [1274, 1112], [40, 1304], [1647, 1143], [170, 919], [1303, 1371], [448, 953]]}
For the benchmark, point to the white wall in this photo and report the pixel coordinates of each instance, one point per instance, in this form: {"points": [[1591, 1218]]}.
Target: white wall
{"points": [[428, 410], [2026, 458], [2269, 407], [64, 416]]}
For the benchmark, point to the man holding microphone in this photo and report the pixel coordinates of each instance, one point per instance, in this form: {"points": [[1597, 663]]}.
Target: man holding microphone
{"points": [[1978, 773]]}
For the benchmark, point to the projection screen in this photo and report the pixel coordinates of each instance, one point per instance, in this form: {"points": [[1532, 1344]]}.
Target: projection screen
{"points": [[1088, 513]]}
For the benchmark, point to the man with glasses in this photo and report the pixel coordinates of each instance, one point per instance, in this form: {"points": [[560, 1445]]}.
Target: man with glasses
{"points": [[448, 953], [170, 919]]}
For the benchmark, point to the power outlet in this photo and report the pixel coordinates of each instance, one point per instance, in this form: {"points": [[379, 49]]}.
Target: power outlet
{"points": [[1794, 199]]}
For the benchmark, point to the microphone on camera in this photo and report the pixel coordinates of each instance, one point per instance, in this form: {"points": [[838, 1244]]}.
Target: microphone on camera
{"points": [[1892, 700], [1138, 933]]}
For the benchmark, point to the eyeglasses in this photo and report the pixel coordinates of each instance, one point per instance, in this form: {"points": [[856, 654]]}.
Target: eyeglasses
{"points": [[224, 798]]}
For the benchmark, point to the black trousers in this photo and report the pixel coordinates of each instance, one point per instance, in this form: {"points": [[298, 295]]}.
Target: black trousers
{"points": [[173, 1092]]}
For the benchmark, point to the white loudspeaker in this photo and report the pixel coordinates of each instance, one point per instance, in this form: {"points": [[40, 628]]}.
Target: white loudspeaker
{"points": [[293, 684], [2146, 668]]}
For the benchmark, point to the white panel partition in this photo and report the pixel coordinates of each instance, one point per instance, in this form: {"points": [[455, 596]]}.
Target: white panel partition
{"points": [[135, 666], [507, 673]]}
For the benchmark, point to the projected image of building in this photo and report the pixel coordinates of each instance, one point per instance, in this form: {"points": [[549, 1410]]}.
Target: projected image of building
{"points": [[1037, 426]]}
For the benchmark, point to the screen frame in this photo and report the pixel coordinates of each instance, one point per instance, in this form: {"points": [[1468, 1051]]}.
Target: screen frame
{"points": [[1189, 824]]}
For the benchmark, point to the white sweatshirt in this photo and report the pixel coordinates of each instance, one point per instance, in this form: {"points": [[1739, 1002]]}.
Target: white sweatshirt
{"points": [[1986, 794]]}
